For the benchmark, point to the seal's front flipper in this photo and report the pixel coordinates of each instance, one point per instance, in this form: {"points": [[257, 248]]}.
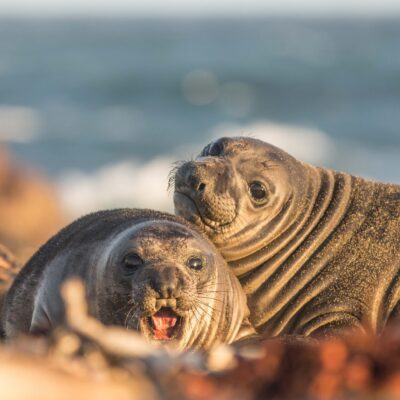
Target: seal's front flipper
{"points": [[246, 331], [41, 324]]}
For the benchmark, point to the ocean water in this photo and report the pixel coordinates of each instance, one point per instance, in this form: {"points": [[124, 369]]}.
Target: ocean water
{"points": [[104, 106]]}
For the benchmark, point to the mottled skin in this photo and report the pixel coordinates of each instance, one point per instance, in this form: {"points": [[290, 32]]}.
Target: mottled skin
{"points": [[209, 300], [318, 255]]}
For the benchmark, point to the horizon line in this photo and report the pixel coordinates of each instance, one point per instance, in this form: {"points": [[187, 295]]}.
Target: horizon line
{"points": [[194, 15]]}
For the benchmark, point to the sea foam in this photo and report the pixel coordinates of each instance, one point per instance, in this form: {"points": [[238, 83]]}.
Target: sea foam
{"points": [[125, 184], [307, 144], [129, 183], [19, 124]]}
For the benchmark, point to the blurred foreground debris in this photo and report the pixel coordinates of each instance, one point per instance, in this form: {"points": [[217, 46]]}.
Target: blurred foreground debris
{"points": [[116, 341], [8, 271], [29, 209], [87, 360]]}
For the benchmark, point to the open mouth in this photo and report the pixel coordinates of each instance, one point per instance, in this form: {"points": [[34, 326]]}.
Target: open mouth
{"points": [[165, 324]]}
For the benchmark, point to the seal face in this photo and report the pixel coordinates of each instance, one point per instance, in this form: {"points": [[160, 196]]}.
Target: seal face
{"points": [[234, 191], [144, 270], [307, 243]]}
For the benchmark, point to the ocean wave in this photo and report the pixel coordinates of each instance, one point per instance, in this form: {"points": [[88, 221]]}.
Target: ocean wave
{"points": [[131, 184], [307, 144], [125, 184], [19, 124]]}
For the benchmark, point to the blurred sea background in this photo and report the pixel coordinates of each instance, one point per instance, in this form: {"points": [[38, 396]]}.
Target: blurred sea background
{"points": [[104, 106]]}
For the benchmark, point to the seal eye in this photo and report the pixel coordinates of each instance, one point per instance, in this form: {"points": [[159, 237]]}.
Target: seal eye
{"points": [[132, 261], [195, 263], [258, 191], [214, 149]]}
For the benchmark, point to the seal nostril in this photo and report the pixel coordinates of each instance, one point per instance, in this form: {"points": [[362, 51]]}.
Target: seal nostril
{"points": [[201, 187]]}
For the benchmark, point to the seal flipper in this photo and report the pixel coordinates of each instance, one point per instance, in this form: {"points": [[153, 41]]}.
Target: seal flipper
{"points": [[246, 331], [49, 309], [41, 323]]}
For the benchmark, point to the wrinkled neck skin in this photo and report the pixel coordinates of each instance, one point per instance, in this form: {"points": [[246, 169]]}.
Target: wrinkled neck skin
{"points": [[216, 317], [291, 223], [246, 237], [262, 254]]}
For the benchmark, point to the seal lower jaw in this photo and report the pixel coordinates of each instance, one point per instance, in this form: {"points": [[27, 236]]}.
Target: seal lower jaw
{"points": [[186, 207], [164, 325]]}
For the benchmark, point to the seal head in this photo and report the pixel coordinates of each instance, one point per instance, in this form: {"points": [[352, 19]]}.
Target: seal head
{"points": [[172, 284], [239, 189]]}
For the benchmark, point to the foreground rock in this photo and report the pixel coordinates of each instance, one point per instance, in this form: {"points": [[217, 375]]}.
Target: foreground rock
{"points": [[87, 360], [29, 209]]}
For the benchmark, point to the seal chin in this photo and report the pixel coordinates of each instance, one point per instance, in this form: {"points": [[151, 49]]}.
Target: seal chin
{"points": [[164, 325], [187, 208]]}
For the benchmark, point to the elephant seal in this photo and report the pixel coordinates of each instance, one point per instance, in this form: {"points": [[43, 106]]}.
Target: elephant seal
{"points": [[316, 251], [146, 270]]}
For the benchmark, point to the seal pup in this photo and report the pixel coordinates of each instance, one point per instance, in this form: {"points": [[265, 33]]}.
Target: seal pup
{"points": [[146, 270], [316, 251]]}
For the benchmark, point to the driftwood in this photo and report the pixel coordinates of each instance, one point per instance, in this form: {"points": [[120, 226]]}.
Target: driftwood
{"points": [[23, 378], [112, 340]]}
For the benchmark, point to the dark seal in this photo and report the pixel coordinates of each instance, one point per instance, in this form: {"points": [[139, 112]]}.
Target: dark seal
{"points": [[317, 251], [146, 270]]}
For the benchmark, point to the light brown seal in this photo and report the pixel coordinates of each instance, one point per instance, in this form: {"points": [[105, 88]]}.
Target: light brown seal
{"points": [[317, 251], [145, 270]]}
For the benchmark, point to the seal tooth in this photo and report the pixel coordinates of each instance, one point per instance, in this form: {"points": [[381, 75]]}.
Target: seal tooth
{"points": [[165, 303]]}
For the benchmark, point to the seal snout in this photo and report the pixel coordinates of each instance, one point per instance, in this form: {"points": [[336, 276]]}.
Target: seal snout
{"points": [[191, 176], [201, 190], [168, 313], [167, 285], [166, 303]]}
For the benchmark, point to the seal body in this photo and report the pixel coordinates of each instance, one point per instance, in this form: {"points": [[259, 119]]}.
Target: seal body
{"points": [[316, 251], [145, 270]]}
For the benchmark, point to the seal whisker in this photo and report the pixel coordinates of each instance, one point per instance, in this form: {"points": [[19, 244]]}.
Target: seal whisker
{"points": [[131, 311], [213, 291], [208, 286], [207, 312], [171, 175], [207, 305], [211, 298]]}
